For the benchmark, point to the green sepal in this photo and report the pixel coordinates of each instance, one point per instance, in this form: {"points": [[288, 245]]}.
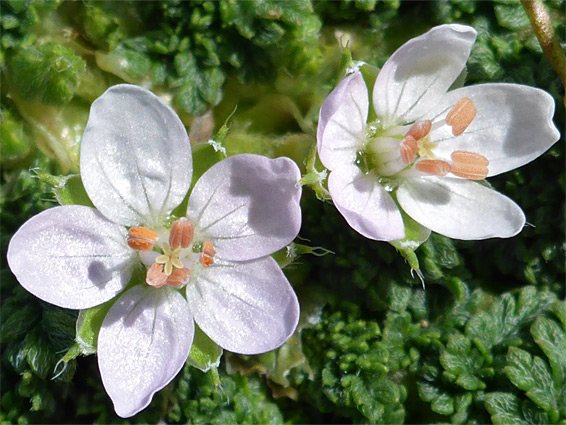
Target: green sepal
{"points": [[88, 326], [313, 177], [293, 251], [71, 354], [68, 190], [205, 353], [415, 236], [205, 155]]}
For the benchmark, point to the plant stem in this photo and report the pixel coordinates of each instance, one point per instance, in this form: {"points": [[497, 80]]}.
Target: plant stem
{"points": [[540, 21]]}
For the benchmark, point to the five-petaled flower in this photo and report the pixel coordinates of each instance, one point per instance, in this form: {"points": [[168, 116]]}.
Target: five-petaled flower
{"points": [[212, 266], [429, 148]]}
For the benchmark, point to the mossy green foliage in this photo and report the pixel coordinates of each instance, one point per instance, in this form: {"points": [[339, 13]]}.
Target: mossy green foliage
{"points": [[485, 342]]}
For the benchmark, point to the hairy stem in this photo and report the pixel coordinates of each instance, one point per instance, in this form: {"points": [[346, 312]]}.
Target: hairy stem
{"points": [[540, 21]]}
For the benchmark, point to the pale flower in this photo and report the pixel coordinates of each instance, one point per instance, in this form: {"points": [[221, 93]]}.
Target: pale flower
{"points": [[429, 148], [212, 266]]}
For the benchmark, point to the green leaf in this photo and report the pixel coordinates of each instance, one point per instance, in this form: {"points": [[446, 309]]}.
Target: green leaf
{"points": [[511, 15], [504, 409], [38, 354], [16, 141], [49, 73], [16, 322], [205, 354], [531, 375], [551, 338], [462, 364]]}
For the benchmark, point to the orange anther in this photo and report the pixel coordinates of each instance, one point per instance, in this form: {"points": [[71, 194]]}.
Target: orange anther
{"points": [[461, 115], [155, 276], [469, 165], [207, 255], [179, 277], [408, 149], [469, 158], [433, 167], [205, 260], [420, 129], [208, 249], [470, 172], [181, 234], [141, 238]]}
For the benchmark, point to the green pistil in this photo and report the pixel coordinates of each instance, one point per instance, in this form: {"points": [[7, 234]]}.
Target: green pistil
{"points": [[197, 247]]}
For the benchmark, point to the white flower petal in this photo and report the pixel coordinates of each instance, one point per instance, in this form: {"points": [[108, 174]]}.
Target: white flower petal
{"points": [[245, 307], [144, 342], [247, 206], [512, 127], [460, 209], [71, 256], [342, 122], [416, 76], [136, 162], [365, 205]]}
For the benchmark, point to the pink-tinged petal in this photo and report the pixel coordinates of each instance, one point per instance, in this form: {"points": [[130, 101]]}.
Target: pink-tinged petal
{"points": [[71, 256], [513, 125], [136, 162], [144, 342], [247, 206], [342, 122], [416, 76], [245, 307], [460, 209], [365, 205]]}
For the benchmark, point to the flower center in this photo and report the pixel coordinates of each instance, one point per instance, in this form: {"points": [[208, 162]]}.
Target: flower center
{"points": [[172, 267], [415, 151]]}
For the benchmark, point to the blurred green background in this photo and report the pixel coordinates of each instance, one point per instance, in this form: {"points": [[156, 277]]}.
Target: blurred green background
{"points": [[486, 341]]}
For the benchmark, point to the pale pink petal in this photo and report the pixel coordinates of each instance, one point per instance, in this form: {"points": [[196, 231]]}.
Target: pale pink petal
{"points": [[460, 209], [247, 206], [136, 161], [416, 76], [513, 125], [245, 307], [365, 205], [71, 256], [144, 342], [342, 122]]}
